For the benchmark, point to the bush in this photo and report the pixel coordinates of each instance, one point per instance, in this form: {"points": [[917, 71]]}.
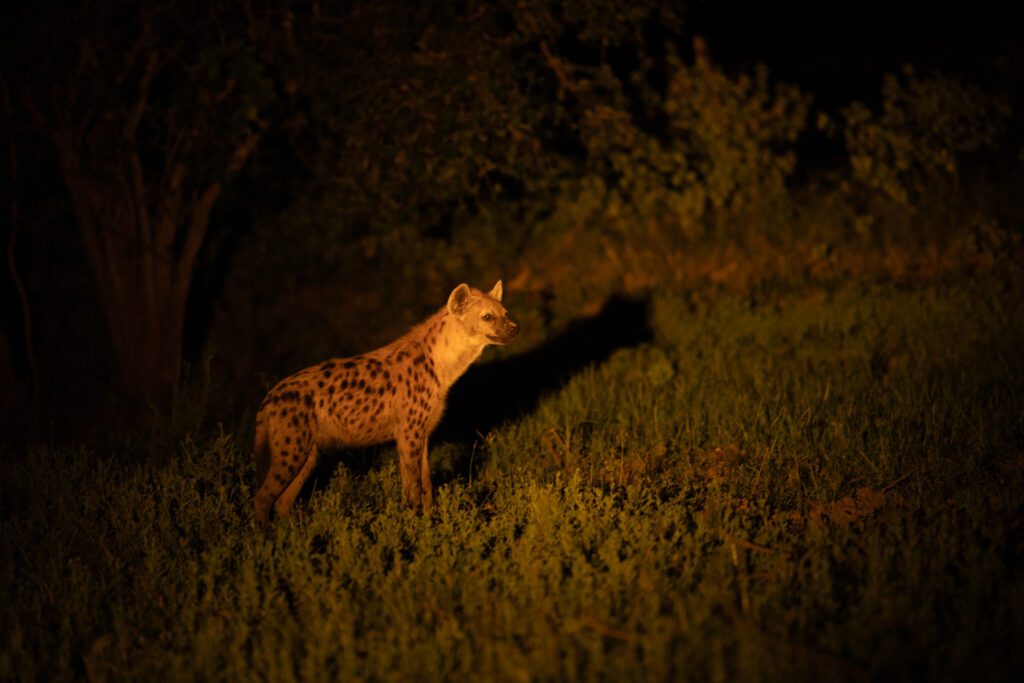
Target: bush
{"points": [[706, 147], [910, 154]]}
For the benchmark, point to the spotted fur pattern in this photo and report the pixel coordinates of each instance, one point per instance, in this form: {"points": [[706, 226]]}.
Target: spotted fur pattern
{"points": [[396, 393]]}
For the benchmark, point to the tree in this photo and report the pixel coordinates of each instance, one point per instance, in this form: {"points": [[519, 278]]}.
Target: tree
{"points": [[151, 110]]}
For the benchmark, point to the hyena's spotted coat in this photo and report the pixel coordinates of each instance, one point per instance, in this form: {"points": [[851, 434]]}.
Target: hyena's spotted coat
{"points": [[394, 393]]}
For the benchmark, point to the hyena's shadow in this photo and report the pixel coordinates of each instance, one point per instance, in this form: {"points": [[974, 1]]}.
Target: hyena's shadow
{"points": [[490, 394]]}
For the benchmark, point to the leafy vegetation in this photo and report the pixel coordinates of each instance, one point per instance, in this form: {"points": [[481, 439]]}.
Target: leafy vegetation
{"points": [[579, 173], [813, 480], [925, 125]]}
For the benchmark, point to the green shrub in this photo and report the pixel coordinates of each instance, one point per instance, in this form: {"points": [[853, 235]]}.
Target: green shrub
{"points": [[725, 143], [912, 150]]}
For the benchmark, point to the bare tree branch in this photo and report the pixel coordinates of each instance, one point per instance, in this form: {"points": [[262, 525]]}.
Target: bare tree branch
{"points": [[561, 69], [139, 107], [195, 232], [245, 150]]}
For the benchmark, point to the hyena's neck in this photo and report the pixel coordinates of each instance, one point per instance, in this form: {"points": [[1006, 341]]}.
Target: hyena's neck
{"points": [[446, 343]]}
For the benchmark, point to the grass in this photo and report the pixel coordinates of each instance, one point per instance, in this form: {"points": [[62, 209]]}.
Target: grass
{"points": [[819, 481]]}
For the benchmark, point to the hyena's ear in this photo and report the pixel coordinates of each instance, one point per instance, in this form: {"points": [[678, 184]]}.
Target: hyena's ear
{"points": [[496, 291], [459, 299]]}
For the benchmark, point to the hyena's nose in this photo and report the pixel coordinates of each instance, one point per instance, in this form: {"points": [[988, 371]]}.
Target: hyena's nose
{"points": [[513, 329]]}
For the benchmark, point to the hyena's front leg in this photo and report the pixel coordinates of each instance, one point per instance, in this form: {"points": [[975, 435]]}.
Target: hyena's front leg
{"points": [[425, 485], [410, 447]]}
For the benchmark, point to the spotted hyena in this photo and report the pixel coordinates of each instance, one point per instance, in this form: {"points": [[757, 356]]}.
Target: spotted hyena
{"points": [[396, 393]]}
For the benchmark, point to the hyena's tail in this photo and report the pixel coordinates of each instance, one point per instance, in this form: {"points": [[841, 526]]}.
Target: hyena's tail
{"points": [[262, 455], [262, 498]]}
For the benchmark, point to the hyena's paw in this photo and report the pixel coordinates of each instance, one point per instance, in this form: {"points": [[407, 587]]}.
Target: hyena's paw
{"points": [[262, 505], [413, 496]]}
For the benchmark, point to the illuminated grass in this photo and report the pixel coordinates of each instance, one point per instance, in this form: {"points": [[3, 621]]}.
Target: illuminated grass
{"points": [[813, 484]]}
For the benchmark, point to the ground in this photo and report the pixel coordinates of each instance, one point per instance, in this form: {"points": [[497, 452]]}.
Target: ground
{"points": [[818, 479]]}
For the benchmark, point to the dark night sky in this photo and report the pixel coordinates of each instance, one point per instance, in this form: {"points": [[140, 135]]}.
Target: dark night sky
{"points": [[839, 49]]}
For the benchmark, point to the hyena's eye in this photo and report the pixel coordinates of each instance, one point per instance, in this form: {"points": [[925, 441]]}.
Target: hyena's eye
{"points": [[488, 317]]}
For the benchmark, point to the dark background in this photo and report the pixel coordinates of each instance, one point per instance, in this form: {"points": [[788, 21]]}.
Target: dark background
{"points": [[367, 157]]}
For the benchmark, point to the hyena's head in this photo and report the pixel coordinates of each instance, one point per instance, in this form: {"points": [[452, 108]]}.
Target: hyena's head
{"points": [[483, 318]]}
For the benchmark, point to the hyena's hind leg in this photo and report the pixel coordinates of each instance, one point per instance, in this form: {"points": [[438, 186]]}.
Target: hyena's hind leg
{"points": [[283, 504], [288, 465]]}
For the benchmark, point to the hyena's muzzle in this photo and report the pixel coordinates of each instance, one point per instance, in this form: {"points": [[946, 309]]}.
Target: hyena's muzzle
{"points": [[506, 332]]}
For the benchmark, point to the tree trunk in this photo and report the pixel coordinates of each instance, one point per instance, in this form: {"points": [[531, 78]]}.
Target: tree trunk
{"points": [[142, 263]]}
